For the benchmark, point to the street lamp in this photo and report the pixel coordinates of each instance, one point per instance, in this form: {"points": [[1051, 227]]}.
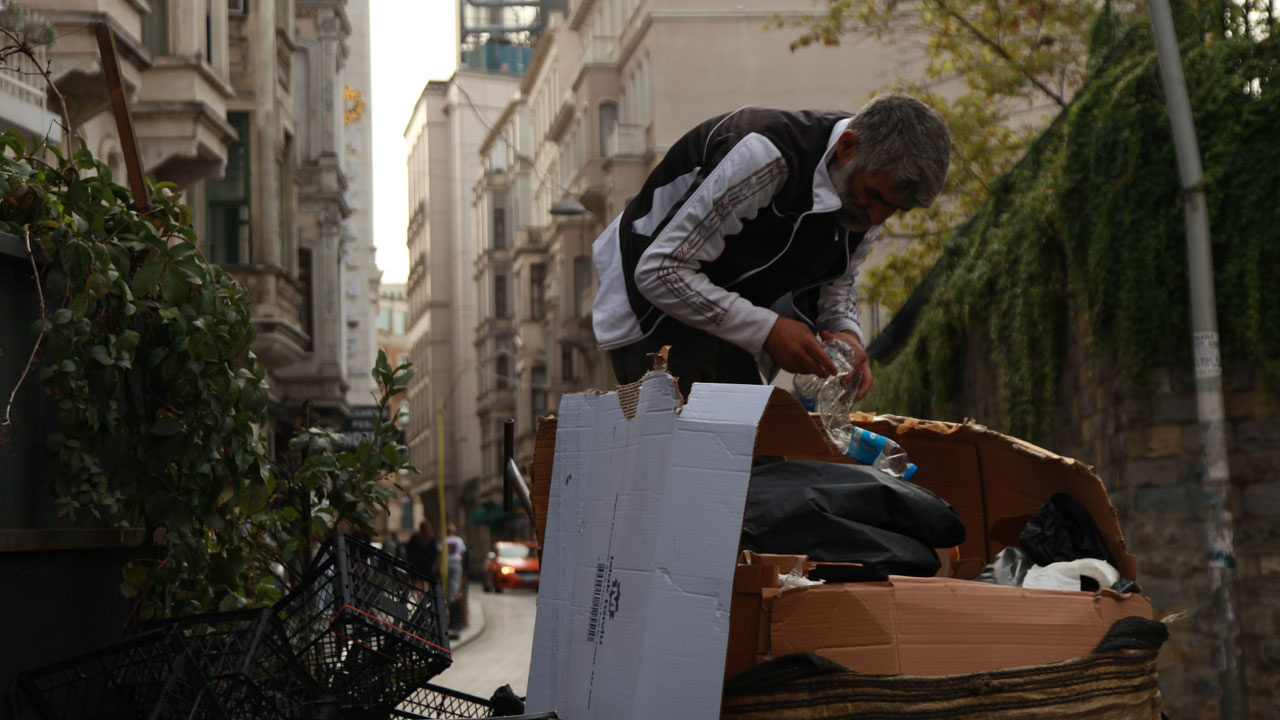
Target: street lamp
{"points": [[568, 206]]}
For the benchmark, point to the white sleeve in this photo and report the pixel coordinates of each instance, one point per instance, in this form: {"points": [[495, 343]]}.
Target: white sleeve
{"points": [[668, 273], [838, 300]]}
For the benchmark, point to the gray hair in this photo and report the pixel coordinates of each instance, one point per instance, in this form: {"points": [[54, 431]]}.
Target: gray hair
{"points": [[902, 134]]}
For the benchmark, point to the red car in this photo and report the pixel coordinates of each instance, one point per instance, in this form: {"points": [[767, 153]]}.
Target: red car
{"points": [[511, 564]]}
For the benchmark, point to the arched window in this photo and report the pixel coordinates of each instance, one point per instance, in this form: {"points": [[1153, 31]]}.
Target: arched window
{"points": [[608, 121]]}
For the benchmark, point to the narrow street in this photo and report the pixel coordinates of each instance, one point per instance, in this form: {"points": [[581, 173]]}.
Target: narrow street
{"points": [[500, 654]]}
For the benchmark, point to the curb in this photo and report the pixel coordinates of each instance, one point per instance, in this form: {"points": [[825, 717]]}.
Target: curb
{"points": [[475, 612]]}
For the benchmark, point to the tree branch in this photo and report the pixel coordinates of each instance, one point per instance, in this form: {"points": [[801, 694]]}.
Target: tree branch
{"points": [[8, 419], [999, 50], [19, 45]]}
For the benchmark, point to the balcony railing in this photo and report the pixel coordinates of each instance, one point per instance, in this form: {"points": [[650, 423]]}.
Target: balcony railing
{"points": [[22, 78], [626, 140]]}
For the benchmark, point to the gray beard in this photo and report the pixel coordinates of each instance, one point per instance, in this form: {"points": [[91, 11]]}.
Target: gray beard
{"points": [[849, 216]]}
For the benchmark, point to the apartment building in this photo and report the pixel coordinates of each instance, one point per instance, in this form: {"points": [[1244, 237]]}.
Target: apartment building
{"points": [[612, 84], [362, 298], [449, 123], [242, 105], [393, 339]]}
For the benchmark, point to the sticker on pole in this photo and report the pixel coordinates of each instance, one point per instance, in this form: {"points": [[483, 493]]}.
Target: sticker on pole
{"points": [[1207, 360]]}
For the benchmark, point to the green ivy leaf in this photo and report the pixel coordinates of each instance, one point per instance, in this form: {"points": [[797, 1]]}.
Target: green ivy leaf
{"points": [[174, 286], [145, 280], [253, 498], [166, 425]]}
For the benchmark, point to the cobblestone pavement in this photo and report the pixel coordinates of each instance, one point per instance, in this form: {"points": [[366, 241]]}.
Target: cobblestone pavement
{"points": [[499, 654]]}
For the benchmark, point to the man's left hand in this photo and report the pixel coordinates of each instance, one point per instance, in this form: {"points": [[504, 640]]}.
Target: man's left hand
{"points": [[861, 365]]}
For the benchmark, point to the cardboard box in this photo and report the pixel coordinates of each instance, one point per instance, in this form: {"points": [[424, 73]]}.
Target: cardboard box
{"points": [[942, 626], [644, 505]]}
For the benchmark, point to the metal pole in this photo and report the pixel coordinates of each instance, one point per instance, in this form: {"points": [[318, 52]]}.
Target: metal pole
{"points": [[1216, 482], [508, 454], [124, 119], [443, 530]]}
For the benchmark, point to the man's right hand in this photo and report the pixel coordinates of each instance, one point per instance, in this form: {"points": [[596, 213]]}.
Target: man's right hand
{"points": [[794, 348]]}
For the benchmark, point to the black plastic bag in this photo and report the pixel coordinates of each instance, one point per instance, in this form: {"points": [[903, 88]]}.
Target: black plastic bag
{"points": [[1061, 531], [847, 513]]}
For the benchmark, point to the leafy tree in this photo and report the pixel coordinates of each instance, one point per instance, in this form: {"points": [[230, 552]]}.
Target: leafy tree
{"points": [[997, 71], [144, 347]]}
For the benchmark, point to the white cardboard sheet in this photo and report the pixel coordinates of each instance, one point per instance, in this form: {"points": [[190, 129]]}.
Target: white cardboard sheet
{"points": [[643, 521]]}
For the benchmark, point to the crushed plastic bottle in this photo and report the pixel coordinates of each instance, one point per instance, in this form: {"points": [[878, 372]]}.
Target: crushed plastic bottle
{"points": [[834, 402], [827, 396]]}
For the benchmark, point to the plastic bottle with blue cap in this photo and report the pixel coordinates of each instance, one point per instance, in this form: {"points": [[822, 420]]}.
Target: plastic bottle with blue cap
{"points": [[834, 402]]}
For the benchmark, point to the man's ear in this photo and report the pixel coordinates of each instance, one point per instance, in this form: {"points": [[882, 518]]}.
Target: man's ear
{"points": [[846, 146]]}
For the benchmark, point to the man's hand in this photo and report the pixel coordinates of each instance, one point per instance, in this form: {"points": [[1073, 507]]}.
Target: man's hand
{"points": [[861, 365], [793, 347]]}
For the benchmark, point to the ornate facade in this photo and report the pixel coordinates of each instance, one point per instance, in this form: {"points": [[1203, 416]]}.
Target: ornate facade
{"points": [[243, 104]]}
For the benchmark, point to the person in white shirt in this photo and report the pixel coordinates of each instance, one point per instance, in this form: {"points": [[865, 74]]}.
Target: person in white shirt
{"points": [[455, 551]]}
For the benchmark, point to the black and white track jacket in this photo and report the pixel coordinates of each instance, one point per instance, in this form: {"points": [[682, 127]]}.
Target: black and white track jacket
{"points": [[740, 212]]}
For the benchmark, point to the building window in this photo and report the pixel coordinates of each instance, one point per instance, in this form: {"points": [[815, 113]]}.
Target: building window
{"points": [[608, 121], [397, 322], [306, 314], [566, 363], [229, 239], [503, 371], [538, 394], [581, 284], [538, 291], [208, 31], [406, 514], [155, 28], [500, 296], [241, 7], [384, 319], [499, 228]]}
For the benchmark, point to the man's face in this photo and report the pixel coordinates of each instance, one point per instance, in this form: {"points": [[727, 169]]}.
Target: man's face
{"points": [[867, 197]]}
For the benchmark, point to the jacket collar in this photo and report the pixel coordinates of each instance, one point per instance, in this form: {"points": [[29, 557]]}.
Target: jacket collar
{"points": [[825, 196]]}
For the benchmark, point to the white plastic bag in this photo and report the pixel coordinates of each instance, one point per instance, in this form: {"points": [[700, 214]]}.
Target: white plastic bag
{"points": [[1066, 575]]}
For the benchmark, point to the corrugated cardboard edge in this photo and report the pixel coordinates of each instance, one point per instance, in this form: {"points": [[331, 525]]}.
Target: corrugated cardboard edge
{"points": [[1089, 489]]}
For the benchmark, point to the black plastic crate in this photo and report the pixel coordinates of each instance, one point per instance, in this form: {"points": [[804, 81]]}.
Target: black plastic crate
{"points": [[150, 676], [248, 662], [365, 626], [437, 703]]}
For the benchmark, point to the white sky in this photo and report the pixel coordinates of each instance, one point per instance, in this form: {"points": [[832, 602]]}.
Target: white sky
{"points": [[412, 41]]}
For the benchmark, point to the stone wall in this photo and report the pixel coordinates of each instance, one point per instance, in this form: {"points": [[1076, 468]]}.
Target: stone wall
{"points": [[1146, 446]]}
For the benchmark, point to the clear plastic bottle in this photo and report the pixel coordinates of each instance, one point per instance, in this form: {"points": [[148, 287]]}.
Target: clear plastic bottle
{"points": [[880, 452], [834, 401], [827, 396]]}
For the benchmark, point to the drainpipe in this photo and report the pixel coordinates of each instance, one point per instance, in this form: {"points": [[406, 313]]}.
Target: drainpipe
{"points": [[1216, 480]]}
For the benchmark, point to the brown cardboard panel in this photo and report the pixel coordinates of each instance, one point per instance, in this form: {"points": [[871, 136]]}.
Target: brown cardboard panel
{"points": [[544, 451], [856, 629], [782, 564], [787, 429], [746, 631], [1012, 477], [942, 626], [953, 472]]}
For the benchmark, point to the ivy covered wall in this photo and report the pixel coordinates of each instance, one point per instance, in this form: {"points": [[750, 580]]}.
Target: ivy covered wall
{"points": [[1093, 217], [1059, 314]]}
